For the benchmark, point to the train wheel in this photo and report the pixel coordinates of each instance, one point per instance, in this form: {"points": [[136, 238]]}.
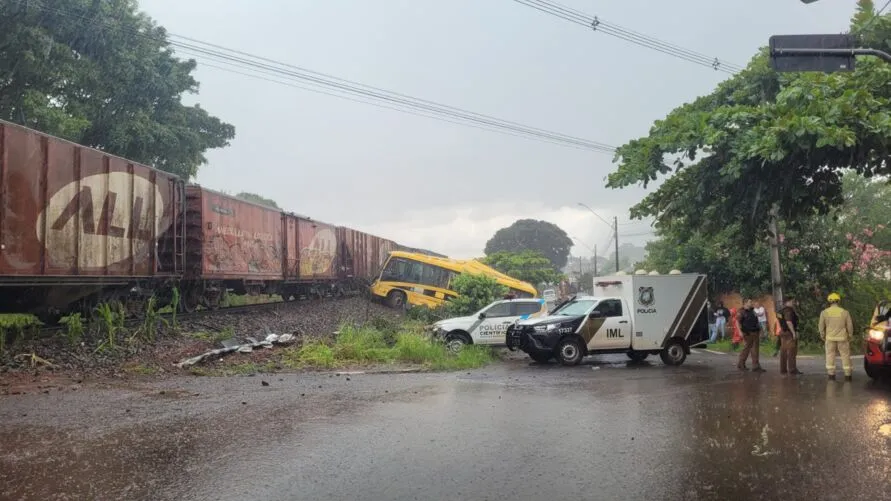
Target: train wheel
{"points": [[189, 301]]}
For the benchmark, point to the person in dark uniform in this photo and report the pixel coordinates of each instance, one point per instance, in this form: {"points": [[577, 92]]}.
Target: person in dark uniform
{"points": [[788, 319]]}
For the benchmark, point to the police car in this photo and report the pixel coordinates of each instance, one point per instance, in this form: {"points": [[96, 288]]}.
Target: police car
{"points": [[489, 325]]}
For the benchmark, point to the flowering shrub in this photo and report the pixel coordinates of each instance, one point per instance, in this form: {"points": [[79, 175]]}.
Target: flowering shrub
{"points": [[866, 258]]}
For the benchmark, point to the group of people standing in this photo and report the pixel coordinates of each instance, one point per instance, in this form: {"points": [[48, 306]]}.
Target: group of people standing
{"points": [[749, 325]]}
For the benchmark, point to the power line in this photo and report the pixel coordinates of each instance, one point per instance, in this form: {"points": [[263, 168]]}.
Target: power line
{"points": [[596, 24], [338, 87]]}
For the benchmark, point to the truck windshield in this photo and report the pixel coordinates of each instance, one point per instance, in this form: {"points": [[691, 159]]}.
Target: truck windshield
{"points": [[578, 307]]}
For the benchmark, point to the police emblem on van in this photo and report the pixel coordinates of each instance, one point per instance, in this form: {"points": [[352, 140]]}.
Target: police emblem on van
{"points": [[646, 298]]}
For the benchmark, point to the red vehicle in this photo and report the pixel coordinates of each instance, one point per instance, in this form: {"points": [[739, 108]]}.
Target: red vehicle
{"points": [[80, 227], [877, 356]]}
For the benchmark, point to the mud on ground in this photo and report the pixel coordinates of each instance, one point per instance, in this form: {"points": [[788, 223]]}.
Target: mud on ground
{"points": [[131, 359]]}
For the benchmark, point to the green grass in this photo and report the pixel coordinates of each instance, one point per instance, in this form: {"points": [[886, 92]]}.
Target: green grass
{"points": [[767, 347], [243, 300], [405, 344], [18, 321]]}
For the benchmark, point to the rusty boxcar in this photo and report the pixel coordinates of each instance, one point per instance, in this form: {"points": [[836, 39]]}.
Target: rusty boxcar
{"points": [[231, 244], [362, 255], [81, 226]]}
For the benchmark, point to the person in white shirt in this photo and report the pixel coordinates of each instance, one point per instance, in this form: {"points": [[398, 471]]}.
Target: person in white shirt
{"points": [[762, 319]]}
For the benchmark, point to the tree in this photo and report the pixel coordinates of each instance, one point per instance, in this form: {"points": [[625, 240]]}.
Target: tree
{"points": [[846, 251], [102, 74], [763, 140], [474, 292], [528, 266], [528, 234], [253, 197]]}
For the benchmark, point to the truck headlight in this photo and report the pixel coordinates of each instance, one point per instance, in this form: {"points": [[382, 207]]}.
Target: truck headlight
{"points": [[545, 328], [876, 335]]}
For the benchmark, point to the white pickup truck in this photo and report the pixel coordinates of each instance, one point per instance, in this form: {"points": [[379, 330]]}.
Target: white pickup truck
{"points": [[488, 325]]}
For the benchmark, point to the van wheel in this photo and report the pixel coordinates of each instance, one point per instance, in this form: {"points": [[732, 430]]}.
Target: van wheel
{"points": [[455, 342], [396, 299], [541, 358], [569, 351], [637, 356], [674, 353]]}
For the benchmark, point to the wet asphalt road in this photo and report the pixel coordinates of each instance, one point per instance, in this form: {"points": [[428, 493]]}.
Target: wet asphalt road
{"points": [[604, 430]]}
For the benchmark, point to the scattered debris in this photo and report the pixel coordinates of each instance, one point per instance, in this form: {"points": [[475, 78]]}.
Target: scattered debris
{"points": [[247, 346], [34, 360], [264, 383]]}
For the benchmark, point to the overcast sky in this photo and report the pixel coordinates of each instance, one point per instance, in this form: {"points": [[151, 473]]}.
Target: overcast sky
{"points": [[448, 187]]}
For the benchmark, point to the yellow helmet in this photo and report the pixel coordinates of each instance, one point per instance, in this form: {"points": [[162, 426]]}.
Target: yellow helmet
{"points": [[834, 298]]}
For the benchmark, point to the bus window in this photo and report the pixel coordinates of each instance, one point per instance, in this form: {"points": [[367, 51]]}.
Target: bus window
{"points": [[434, 276]]}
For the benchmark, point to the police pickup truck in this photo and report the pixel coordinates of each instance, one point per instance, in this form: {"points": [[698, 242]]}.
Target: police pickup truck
{"points": [[488, 325], [634, 314]]}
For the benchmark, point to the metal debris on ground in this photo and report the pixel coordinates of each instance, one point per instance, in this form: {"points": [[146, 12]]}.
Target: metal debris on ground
{"points": [[233, 345]]}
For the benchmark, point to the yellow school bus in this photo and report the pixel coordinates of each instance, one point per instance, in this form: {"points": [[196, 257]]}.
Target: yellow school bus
{"points": [[408, 278]]}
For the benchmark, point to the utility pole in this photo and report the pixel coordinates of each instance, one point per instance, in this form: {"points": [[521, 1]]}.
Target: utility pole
{"points": [[616, 229], [595, 260], [776, 270]]}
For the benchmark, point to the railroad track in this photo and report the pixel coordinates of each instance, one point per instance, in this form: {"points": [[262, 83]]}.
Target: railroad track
{"points": [[52, 330]]}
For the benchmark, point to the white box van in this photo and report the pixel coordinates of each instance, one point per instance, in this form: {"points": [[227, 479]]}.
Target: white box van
{"points": [[634, 314], [489, 325]]}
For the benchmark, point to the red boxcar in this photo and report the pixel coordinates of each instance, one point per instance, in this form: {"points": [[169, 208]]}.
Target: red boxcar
{"points": [[311, 247], [231, 238], [363, 254], [73, 218]]}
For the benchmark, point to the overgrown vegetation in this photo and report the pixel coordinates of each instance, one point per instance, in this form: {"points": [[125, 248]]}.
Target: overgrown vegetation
{"points": [[111, 316], [474, 292], [368, 345], [15, 326], [151, 322], [74, 328]]}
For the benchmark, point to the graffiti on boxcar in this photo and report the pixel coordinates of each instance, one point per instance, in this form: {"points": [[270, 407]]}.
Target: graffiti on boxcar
{"points": [[101, 211], [230, 250], [317, 257]]}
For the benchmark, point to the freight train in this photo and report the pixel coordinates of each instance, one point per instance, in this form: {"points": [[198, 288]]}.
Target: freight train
{"points": [[79, 227]]}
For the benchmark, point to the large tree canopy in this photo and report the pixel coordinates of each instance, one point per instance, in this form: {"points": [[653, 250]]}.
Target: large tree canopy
{"points": [[100, 73], [528, 234], [847, 250], [762, 139]]}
